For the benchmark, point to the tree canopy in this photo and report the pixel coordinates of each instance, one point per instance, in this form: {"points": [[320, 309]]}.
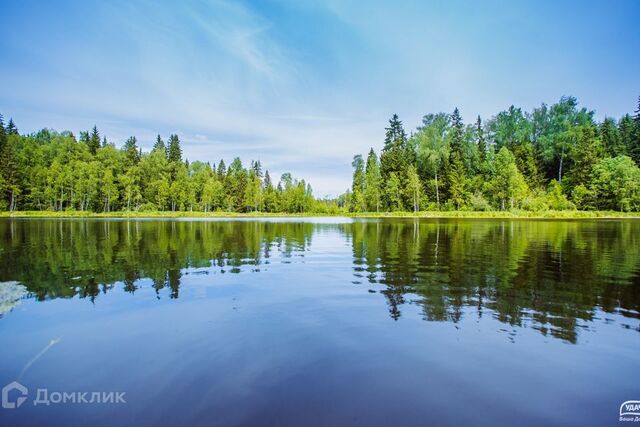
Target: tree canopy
{"points": [[553, 157], [48, 170]]}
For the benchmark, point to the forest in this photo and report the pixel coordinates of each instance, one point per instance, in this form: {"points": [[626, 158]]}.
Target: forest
{"points": [[556, 157], [51, 171]]}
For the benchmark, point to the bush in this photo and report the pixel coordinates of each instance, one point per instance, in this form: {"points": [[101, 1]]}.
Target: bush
{"points": [[535, 202], [556, 199], [477, 202], [148, 207], [583, 198]]}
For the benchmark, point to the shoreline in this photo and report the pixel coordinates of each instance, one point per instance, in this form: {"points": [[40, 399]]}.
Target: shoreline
{"points": [[423, 214]]}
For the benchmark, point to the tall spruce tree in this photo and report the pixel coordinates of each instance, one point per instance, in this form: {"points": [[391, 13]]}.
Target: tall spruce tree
{"points": [[94, 140], [610, 137], [11, 128], [394, 158], [174, 152], [222, 170], [457, 174], [634, 150], [358, 186], [481, 142], [159, 145], [131, 151], [372, 188], [3, 134]]}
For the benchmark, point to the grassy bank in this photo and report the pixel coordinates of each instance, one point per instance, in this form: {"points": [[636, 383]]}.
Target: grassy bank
{"points": [[426, 214]]}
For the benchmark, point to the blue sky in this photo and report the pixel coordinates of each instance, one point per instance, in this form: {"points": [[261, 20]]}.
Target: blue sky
{"points": [[304, 85]]}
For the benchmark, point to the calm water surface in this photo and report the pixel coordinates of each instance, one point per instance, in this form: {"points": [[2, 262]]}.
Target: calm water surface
{"points": [[321, 321]]}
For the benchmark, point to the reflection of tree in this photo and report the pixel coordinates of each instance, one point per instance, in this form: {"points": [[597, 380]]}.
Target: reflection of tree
{"points": [[63, 258], [548, 275]]}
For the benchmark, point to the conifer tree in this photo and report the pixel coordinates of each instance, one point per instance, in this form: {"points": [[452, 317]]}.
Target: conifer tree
{"points": [[11, 128], [159, 145], [94, 140], [456, 177], [482, 144], [357, 189], [395, 157], [372, 190], [222, 171], [174, 152], [3, 134], [634, 136], [131, 151], [610, 137]]}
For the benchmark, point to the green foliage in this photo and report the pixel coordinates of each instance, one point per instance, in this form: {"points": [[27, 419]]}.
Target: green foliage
{"points": [[616, 184], [358, 202], [556, 199], [54, 171], [372, 183], [508, 185], [554, 157], [393, 192], [413, 189]]}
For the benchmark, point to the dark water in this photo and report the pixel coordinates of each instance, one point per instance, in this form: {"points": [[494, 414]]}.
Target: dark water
{"points": [[321, 321]]}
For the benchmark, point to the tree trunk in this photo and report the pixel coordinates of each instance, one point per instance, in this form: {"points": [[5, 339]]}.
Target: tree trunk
{"points": [[560, 167], [437, 193]]}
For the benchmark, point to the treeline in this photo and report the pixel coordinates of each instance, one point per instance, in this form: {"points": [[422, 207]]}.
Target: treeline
{"points": [[48, 170], [554, 157]]}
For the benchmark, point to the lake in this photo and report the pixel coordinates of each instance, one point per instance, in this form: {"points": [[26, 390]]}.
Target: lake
{"points": [[319, 321]]}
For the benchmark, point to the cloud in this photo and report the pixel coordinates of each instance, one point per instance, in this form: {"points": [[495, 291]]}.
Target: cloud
{"points": [[302, 86]]}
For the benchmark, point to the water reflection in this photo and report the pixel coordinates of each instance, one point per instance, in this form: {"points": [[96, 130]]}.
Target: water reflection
{"points": [[547, 275], [551, 276]]}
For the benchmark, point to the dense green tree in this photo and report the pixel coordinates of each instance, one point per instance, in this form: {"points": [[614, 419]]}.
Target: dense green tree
{"points": [[253, 196], [131, 151], [551, 132], [130, 188], [585, 152], [457, 173], [510, 128], [395, 155], [414, 188], [432, 149], [222, 171], [93, 140], [213, 195], [610, 137], [358, 203], [527, 160], [616, 184], [508, 186], [373, 181], [11, 128], [159, 145], [393, 191], [480, 141], [630, 133], [174, 151], [108, 189], [457, 180]]}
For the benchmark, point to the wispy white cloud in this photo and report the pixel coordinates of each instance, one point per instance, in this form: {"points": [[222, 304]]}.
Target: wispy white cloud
{"points": [[300, 85]]}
